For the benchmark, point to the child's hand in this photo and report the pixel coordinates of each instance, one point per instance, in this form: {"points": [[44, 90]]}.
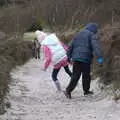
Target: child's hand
{"points": [[44, 69]]}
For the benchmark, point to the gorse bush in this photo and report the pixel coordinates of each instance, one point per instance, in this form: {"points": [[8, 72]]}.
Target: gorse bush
{"points": [[38, 24], [3, 2], [12, 53]]}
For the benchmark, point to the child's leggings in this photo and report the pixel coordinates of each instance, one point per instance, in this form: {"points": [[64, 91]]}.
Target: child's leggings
{"points": [[56, 71]]}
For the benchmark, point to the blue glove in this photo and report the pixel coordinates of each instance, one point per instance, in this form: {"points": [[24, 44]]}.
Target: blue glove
{"points": [[100, 60]]}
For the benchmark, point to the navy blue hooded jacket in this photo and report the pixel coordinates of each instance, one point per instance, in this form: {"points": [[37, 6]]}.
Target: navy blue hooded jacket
{"points": [[84, 45]]}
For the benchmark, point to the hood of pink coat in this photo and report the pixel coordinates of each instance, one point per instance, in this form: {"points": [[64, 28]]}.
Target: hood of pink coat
{"points": [[40, 35]]}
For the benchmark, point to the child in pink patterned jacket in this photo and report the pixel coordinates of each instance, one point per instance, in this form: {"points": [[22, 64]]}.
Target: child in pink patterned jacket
{"points": [[55, 52]]}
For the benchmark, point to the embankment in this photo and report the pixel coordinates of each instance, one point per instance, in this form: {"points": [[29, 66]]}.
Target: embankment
{"points": [[12, 52]]}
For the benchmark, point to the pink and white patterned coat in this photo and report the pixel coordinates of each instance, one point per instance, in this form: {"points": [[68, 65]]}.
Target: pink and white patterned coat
{"points": [[54, 52]]}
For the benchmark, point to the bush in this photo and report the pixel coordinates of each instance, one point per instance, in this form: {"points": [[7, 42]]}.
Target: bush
{"points": [[37, 25], [12, 53], [2, 2], [110, 72]]}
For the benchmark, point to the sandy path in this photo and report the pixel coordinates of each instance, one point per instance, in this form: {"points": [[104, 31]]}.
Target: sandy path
{"points": [[33, 97]]}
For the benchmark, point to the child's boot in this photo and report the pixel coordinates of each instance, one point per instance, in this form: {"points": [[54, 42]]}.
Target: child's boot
{"points": [[58, 86]]}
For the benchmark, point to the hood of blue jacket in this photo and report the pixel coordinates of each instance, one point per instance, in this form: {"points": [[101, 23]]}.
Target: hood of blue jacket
{"points": [[93, 27]]}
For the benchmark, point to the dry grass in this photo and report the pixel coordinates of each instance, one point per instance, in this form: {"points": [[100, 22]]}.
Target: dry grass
{"points": [[110, 72], [12, 53]]}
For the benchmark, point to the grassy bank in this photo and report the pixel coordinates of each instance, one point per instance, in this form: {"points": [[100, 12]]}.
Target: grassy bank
{"points": [[12, 52]]}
